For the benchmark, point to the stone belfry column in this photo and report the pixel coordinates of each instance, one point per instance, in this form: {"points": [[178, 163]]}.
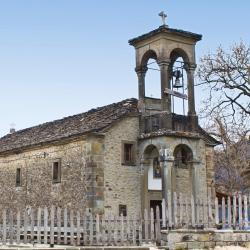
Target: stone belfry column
{"points": [[190, 68], [141, 73], [165, 83]]}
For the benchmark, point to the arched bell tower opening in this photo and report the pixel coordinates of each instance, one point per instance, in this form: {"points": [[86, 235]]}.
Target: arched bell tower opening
{"points": [[152, 79], [179, 84], [150, 87]]}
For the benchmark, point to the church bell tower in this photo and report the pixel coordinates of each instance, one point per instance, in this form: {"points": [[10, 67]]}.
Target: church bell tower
{"points": [[171, 147], [167, 46]]}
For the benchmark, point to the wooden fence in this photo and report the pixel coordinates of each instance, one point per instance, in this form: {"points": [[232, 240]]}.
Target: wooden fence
{"points": [[68, 227], [185, 212], [62, 226]]}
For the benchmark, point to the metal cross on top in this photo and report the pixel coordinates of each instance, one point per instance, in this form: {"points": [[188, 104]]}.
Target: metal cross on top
{"points": [[163, 17]]}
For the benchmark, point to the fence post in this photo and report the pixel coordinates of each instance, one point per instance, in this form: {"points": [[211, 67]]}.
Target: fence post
{"points": [[90, 228], [245, 212], [234, 210], [229, 211], [65, 226], [158, 226], [72, 242], [134, 230], [4, 227], [146, 225], [122, 229], [52, 221], [181, 208], [78, 218], [128, 229], [163, 208], [152, 233], [216, 211], [223, 213], [97, 229], [32, 224], [59, 224], [18, 225], [25, 226], [175, 210], [115, 229], [11, 227], [39, 225], [169, 209], [103, 231], [140, 228], [193, 210], [45, 225], [210, 214], [240, 210], [187, 211], [196, 210]]}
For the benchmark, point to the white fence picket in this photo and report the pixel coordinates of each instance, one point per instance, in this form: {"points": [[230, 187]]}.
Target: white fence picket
{"points": [[4, 227], [18, 227], [234, 211], [245, 212], [65, 226], [229, 211], [223, 212], [52, 221], [146, 224], [59, 225], [39, 225], [240, 210], [45, 214], [216, 211], [163, 205]]}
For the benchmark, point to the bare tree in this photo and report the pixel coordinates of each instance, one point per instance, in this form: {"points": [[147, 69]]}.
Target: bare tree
{"points": [[225, 76], [232, 158]]}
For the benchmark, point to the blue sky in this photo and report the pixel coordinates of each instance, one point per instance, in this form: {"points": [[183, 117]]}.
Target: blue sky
{"points": [[59, 58]]}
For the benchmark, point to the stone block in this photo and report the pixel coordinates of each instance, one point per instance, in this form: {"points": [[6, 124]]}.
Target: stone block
{"points": [[209, 244], [195, 245], [203, 237], [220, 243], [181, 246]]}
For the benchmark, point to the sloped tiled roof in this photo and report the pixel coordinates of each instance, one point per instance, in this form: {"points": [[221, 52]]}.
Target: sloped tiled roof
{"points": [[94, 120], [165, 29]]}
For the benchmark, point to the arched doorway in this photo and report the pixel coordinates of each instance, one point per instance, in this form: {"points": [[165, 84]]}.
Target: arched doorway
{"points": [[152, 187]]}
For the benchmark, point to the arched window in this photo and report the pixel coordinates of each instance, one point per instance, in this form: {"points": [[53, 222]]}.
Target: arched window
{"points": [[182, 156]]}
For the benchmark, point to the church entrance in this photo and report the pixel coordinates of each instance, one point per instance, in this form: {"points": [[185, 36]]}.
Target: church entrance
{"points": [[154, 204]]}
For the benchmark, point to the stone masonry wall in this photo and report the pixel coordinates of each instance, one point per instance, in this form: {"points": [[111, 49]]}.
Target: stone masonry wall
{"points": [[122, 182], [37, 189]]}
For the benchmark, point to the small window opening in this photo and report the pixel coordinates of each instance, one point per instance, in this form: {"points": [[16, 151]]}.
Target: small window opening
{"points": [[56, 172], [128, 153], [18, 177], [123, 210]]}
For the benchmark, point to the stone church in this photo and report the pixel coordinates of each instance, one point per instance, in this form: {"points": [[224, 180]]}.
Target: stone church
{"points": [[123, 157]]}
